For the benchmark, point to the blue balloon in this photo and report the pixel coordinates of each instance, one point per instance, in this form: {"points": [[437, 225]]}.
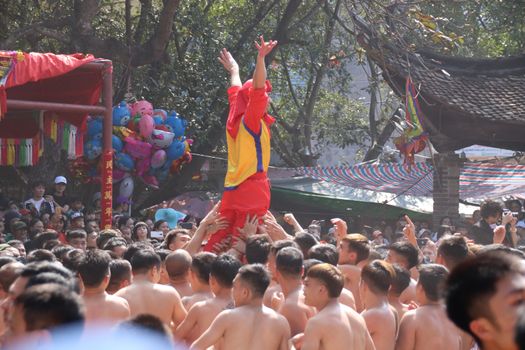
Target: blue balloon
{"points": [[121, 114], [175, 150], [124, 162], [94, 129], [93, 148], [117, 143]]}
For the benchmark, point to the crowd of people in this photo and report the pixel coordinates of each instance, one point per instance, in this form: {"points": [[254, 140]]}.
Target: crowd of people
{"points": [[276, 286]]}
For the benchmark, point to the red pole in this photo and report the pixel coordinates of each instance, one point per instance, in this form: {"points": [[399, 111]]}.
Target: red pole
{"points": [[107, 154]]}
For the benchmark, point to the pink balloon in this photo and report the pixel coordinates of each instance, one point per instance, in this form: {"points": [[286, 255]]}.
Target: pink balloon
{"points": [[142, 107], [146, 125], [136, 148], [142, 166], [158, 159]]}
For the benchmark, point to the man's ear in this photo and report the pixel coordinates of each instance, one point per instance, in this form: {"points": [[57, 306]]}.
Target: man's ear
{"points": [[483, 329]]}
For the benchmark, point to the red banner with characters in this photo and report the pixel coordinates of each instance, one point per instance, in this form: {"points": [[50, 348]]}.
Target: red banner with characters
{"points": [[107, 190]]}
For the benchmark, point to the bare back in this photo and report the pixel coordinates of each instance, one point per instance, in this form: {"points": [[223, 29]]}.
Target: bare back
{"points": [[382, 325], [154, 299], [427, 328], [352, 276], [336, 327], [247, 327], [105, 308], [184, 289], [191, 300], [296, 311]]}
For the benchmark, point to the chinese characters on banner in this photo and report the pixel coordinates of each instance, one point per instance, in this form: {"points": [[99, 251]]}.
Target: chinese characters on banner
{"points": [[107, 190]]}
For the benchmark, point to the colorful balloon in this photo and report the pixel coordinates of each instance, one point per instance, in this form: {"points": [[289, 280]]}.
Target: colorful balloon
{"points": [[124, 162], [175, 150], [94, 129], [116, 143], [93, 149], [146, 126], [126, 187], [161, 139], [142, 108], [136, 148], [121, 114], [158, 159]]}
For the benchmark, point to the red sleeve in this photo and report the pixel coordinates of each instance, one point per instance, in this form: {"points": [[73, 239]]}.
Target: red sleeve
{"points": [[256, 109], [231, 124]]}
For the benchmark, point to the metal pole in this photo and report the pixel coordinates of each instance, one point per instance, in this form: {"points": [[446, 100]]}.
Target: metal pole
{"points": [[107, 158], [54, 107]]}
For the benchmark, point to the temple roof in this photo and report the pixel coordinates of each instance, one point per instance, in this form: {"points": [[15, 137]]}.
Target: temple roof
{"points": [[465, 101]]}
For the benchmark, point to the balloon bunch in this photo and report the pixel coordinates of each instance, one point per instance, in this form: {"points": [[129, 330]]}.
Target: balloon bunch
{"points": [[148, 143]]}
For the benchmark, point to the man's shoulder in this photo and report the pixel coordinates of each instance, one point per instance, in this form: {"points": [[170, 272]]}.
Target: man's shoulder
{"points": [[117, 300]]}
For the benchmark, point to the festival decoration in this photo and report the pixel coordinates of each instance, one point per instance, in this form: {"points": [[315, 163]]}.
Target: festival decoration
{"points": [[414, 138], [148, 144]]}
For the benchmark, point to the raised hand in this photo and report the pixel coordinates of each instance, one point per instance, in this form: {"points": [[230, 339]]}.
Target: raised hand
{"points": [[218, 224], [264, 47], [410, 231], [228, 61], [341, 228], [249, 228]]}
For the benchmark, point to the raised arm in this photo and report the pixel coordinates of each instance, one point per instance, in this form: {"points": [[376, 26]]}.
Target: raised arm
{"points": [[259, 75], [231, 66]]}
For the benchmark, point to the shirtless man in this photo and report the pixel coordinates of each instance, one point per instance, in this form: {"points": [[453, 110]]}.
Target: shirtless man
{"points": [[353, 254], [336, 326], [178, 268], [94, 272], [381, 318], [399, 283], [274, 287], [289, 270], [405, 255], [201, 315], [427, 327], [146, 296], [200, 279], [250, 325]]}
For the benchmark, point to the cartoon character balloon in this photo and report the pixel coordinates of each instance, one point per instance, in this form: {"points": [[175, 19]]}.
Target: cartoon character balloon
{"points": [[159, 116], [93, 149], [161, 139], [124, 162], [126, 187], [94, 129], [142, 108], [121, 114]]}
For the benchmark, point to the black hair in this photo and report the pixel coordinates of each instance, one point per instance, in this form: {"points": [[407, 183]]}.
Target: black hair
{"points": [[47, 306], [201, 265], [258, 248], [122, 221], [61, 250], [36, 268], [120, 271], [308, 264], [144, 260], [50, 277], [401, 280], [4, 260], [432, 278], [40, 255], [453, 249], [289, 262], [163, 253], [406, 250], [114, 242], [156, 225], [256, 276], [136, 247], [325, 252], [472, 283], [490, 208], [79, 233], [378, 275], [93, 267], [305, 241], [71, 259], [104, 236], [224, 269], [278, 245]]}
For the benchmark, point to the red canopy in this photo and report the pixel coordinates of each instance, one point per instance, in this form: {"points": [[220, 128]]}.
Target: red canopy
{"points": [[47, 77]]}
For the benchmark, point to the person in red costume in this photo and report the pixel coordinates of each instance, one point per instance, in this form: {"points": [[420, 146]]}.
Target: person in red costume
{"points": [[246, 185]]}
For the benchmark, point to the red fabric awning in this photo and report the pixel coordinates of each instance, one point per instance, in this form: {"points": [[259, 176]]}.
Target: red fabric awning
{"points": [[47, 77]]}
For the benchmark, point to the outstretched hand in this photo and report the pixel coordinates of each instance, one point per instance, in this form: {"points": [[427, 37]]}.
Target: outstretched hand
{"points": [[264, 47], [228, 61]]}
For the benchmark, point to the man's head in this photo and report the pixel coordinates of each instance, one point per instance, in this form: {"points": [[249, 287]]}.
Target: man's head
{"points": [[325, 252], [250, 284], [38, 188], [117, 245], [289, 264], [491, 211], [60, 184], [45, 307], [305, 241], [77, 221], [223, 270], [451, 251], [146, 263], [376, 277], [120, 271], [94, 269], [400, 282], [353, 249], [275, 248], [178, 265], [431, 282], [19, 230], [177, 239], [77, 239], [200, 268], [404, 254], [322, 283], [483, 296], [257, 249]]}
